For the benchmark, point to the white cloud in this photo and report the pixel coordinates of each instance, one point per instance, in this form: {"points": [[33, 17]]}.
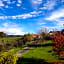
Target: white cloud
{"points": [[35, 12], [5, 24], [18, 5], [56, 15], [22, 16], [56, 18], [13, 17], [31, 14], [15, 31], [49, 5], [41, 23], [4, 0], [1, 17], [8, 2], [36, 1], [6, 6], [19, 1], [12, 29], [60, 23], [1, 3]]}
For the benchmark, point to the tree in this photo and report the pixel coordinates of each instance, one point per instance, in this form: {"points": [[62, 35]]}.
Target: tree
{"points": [[43, 32], [2, 34], [28, 37]]}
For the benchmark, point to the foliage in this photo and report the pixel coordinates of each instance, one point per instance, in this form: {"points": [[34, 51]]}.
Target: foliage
{"points": [[2, 34], [59, 43], [1, 47], [48, 37], [9, 43], [28, 37], [8, 58], [41, 52]]}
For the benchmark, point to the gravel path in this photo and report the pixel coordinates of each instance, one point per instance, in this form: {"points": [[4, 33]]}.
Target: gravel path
{"points": [[21, 52]]}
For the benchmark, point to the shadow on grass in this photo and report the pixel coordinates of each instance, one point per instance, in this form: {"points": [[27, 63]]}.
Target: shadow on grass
{"points": [[40, 45], [36, 61], [31, 61], [62, 58]]}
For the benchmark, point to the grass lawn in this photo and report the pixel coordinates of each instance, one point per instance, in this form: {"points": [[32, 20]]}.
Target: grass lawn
{"points": [[43, 52], [8, 39]]}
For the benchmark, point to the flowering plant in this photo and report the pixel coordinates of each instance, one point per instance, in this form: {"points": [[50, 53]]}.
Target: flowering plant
{"points": [[59, 43]]}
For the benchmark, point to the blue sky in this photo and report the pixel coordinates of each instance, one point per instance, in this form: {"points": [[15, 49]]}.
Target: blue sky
{"points": [[18, 17]]}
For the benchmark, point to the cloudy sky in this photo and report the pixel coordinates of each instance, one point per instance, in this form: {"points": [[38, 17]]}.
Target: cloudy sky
{"points": [[27, 16]]}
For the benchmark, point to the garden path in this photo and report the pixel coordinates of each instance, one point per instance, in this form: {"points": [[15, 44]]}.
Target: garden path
{"points": [[21, 52]]}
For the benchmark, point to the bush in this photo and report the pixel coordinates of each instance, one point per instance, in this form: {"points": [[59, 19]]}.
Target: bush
{"points": [[14, 43], [59, 43], [1, 47], [49, 37], [9, 45], [8, 58], [19, 42]]}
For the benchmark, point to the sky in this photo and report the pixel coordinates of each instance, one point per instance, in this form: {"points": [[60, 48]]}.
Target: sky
{"points": [[18, 17]]}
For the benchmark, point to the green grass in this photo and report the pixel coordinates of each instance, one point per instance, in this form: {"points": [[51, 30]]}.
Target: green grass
{"points": [[15, 50], [29, 43], [41, 52], [8, 39], [36, 54]]}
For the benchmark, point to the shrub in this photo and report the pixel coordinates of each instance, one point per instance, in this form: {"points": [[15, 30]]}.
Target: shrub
{"points": [[59, 43], [9, 45], [14, 43], [1, 47], [49, 37], [8, 58]]}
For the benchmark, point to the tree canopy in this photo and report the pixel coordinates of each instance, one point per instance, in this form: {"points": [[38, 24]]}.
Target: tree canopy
{"points": [[2, 34]]}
